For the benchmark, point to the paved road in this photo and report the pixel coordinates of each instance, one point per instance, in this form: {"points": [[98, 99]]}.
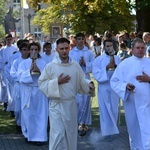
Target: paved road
{"points": [[92, 141]]}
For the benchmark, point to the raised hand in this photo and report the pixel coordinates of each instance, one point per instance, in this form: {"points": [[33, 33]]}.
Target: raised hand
{"points": [[63, 79], [143, 78], [34, 68]]}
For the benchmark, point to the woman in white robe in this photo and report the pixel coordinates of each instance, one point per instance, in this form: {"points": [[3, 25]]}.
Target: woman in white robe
{"points": [[34, 104]]}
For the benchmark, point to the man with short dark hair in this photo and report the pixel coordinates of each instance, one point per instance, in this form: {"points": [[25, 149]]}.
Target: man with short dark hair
{"points": [[60, 81]]}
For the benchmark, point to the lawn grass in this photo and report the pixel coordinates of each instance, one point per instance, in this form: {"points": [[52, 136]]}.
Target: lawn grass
{"points": [[7, 124]]}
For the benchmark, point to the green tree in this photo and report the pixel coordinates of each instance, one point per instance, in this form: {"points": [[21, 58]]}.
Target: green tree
{"points": [[2, 14], [85, 15]]}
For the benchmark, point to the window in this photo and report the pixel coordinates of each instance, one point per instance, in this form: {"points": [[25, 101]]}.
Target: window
{"points": [[37, 32], [16, 3]]}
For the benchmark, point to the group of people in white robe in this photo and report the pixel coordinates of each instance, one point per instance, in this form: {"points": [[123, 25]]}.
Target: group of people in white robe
{"points": [[19, 86], [62, 85]]}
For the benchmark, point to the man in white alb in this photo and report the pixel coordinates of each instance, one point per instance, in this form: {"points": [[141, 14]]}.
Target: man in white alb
{"points": [[60, 81], [131, 82]]}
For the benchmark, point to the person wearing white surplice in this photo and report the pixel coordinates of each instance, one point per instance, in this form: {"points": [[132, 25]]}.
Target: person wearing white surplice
{"points": [[61, 80], [34, 104], [82, 55], [47, 56], [131, 81], [17, 86], [5, 54], [103, 68]]}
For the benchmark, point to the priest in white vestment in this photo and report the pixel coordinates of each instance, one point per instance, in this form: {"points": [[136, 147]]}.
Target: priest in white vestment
{"points": [[60, 81], [131, 82]]}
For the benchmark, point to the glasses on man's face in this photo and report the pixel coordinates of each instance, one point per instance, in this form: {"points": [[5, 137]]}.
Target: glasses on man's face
{"points": [[80, 38]]}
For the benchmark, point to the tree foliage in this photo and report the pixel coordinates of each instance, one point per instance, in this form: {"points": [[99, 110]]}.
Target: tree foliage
{"points": [[84, 15], [2, 14]]}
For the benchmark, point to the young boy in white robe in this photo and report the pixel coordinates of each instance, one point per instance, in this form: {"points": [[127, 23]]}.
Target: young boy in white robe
{"points": [[103, 69], [23, 48], [61, 80], [131, 82], [47, 56], [82, 55]]}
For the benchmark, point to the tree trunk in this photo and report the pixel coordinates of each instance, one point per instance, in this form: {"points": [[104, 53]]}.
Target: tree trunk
{"points": [[142, 17]]}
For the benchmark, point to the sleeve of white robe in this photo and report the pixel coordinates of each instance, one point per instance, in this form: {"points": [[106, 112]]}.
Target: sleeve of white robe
{"points": [[48, 86], [89, 64], [23, 73], [99, 73], [13, 70], [7, 72], [118, 84]]}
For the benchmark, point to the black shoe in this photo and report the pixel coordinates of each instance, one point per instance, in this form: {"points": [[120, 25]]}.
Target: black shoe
{"points": [[26, 140], [18, 128], [82, 133], [39, 143], [12, 115], [82, 129], [4, 109]]}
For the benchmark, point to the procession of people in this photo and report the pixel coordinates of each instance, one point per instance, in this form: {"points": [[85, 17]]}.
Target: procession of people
{"points": [[50, 85]]}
